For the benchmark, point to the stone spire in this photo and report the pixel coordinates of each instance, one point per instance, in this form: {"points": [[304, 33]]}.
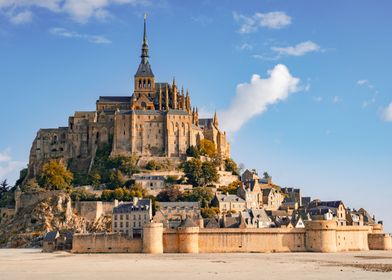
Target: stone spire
{"points": [[144, 69], [144, 55], [215, 120]]}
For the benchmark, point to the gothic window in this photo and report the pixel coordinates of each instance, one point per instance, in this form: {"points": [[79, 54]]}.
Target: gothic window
{"points": [[144, 105]]}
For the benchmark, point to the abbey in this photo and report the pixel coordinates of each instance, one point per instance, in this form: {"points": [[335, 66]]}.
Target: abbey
{"points": [[157, 120]]}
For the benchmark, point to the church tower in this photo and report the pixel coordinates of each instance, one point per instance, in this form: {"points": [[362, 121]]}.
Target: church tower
{"points": [[144, 87]]}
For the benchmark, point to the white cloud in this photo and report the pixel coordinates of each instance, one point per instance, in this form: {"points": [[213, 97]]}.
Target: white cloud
{"points": [[318, 98], [253, 98], [299, 49], [336, 99], [387, 113], [362, 82], [95, 39], [274, 20], [21, 18], [245, 47], [79, 10], [7, 164]]}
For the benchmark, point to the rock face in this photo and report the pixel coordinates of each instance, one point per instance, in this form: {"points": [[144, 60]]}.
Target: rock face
{"points": [[29, 225]]}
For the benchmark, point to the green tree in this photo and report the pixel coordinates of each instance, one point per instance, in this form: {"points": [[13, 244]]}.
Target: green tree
{"points": [[4, 187], [82, 195], [118, 194], [55, 176], [193, 171], [171, 180], [153, 165], [193, 151], [137, 190], [203, 195], [209, 212], [116, 179], [207, 148], [107, 195], [170, 194], [231, 166], [231, 188], [95, 178], [210, 173]]}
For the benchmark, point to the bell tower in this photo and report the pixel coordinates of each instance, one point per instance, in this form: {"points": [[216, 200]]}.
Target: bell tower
{"points": [[144, 81]]}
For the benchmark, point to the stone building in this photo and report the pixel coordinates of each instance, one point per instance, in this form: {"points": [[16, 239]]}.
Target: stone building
{"points": [[172, 214], [157, 120], [229, 203], [130, 218]]}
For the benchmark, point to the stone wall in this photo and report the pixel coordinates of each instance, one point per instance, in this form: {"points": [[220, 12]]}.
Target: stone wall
{"points": [[90, 210], [105, 243], [318, 236], [380, 241], [93, 210], [251, 240]]}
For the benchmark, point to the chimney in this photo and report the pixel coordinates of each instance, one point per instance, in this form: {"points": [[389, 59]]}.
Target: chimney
{"points": [[135, 200]]}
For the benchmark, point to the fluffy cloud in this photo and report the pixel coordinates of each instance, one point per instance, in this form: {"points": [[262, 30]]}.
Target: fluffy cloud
{"points": [[299, 49], [387, 113], [7, 164], [253, 98], [96, 39], [80, 10], [274, 20]]}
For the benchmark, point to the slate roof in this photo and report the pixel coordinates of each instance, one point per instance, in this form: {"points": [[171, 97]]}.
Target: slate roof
{"points": [[115, 99], [142, 205], [144, 70], [211, 223], [205, 122], [51, 236], [229, 198], [180, 204], [260, 215], [188, 222]]}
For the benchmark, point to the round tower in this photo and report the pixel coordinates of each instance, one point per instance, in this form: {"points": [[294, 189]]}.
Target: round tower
{"points": [[153, 238], [321, 236], [188, 237]]}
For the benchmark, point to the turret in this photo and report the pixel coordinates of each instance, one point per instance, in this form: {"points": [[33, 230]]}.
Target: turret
{"points": [[160, 98], [167, 97], [182, 99], [174, 94], [215, 120]]}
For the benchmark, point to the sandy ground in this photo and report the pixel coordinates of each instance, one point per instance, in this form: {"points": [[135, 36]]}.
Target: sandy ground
{"points": [[31, 264]]}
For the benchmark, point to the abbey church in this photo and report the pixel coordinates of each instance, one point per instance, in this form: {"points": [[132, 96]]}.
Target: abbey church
{"points": [[157, 120]]}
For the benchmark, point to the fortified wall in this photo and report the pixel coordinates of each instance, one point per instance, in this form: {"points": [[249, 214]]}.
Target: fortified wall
{"points": [[318, 236]]}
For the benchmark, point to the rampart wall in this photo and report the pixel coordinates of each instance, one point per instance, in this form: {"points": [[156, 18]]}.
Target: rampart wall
{"points": [[105, 243], [318, 236]]}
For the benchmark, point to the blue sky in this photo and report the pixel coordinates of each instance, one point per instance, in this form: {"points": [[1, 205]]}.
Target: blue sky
{"points": [[316, 116]]}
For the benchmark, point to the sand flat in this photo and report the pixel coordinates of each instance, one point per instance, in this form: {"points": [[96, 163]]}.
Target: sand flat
{"points": [[31, 264]]}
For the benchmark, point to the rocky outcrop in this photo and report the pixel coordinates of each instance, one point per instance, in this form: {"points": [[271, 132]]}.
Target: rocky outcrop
{"points": [[29, 225]]}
